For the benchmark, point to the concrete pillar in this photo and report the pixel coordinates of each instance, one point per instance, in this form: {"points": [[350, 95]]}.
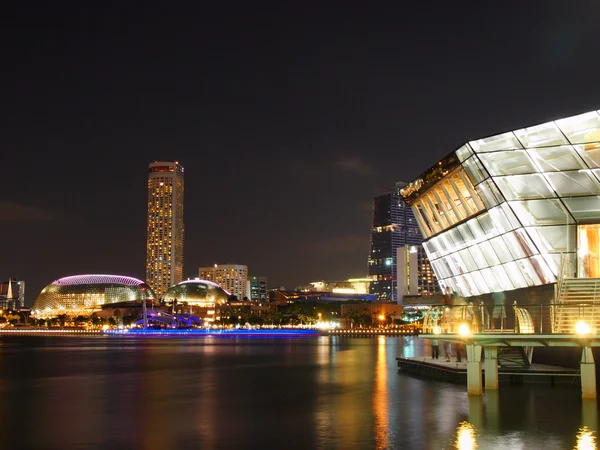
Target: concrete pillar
{"points": [[474, 370], [588, 373], [490, 366]]}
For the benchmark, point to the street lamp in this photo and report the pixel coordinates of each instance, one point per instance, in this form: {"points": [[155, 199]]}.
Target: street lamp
{"points": [[582, 328]]}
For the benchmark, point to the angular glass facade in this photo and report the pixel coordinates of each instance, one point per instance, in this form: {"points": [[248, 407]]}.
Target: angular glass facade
{"points": [[500, 212], [84, 294]]}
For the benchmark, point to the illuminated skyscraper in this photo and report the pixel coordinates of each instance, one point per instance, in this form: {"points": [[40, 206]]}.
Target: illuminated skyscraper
{"points": [[231, 277], [164, 247]]}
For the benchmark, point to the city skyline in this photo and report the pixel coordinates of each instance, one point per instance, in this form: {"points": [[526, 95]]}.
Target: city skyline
{"points": [[289, 122]]}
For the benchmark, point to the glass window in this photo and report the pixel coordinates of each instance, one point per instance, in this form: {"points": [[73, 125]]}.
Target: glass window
{"points": [[542, 135], [441, 269], [491, 281], [580, 182], [489, 193], [474, 170], [517, 187], [454, 264], [478, 257], [431, 248], [456, 238], [466, 234], [476, 230], [542, 212], [504, 141], [519, 244], [499, 220], [510, 215], [489, 253], [583, 208], [553, 238], [513, 162], [488, 229], [516, 276], [553, 261], [464, 152], [501, 249], [468, 260], [590, 153], [503, 278], [588, 250], [532, 277], [479, 282], [539, 265], [554, 159], [582, 128]]}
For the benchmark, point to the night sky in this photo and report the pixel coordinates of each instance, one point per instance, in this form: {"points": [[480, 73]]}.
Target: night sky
{"points": [[287, 119]]}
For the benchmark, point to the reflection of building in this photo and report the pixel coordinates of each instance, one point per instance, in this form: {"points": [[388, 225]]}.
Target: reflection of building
{"points": [[232, 277], [415, 274], [497, 213], [164, 247], [198, 292], [83, 294], [258, 289], [13, 297], [393, 225]]}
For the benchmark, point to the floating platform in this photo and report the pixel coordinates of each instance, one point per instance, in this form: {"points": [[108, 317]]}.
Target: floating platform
{"points": [[456, 372]]}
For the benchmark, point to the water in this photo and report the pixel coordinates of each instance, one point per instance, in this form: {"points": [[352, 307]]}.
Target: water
{"points": [[286, 393]]}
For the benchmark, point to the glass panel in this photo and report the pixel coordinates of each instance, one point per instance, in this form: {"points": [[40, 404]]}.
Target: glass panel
{"points": [[541, 267], [456, 239], [553, 159], [489, 253], [440, 269], [588, 251], [501, 249], [431, 248], [517, 187], [510, 215], [491, 281], [581, 182], [463, 287], [531, 275], [452, 265], [502, 277], [489, 193], [583, 207], [519, 244], [478, 257], [553, 262], [582, 128], [466, 233], [542, 212], [505, 141], [479, 282], [464, 152], [553, 238], [474, 170], [516, 277], [542, 135], [514, 162], [468, 260], [590, 153], [446, 244], [500, 222]]}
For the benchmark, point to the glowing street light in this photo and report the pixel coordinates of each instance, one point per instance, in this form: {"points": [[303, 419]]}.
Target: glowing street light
{"points": [[437, 330], [582, 328], [381, 317], [463, 330]]}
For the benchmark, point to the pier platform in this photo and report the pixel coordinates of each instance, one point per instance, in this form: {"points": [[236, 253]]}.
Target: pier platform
{"points": [[456, 372]]}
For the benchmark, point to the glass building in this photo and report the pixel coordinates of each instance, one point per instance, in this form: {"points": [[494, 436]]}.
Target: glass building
{"points": [[197, 292], [164, 245], [84, 294], [393, 225], [514, 210]]}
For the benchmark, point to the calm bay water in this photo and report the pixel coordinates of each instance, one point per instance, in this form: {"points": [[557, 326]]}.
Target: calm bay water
{"points": [[222, 393]]}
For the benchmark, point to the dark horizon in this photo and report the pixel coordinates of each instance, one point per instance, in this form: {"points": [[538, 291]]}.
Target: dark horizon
{"points": [[288, 120]]}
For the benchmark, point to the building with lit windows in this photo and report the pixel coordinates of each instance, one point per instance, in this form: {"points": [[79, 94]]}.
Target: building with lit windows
{"points": [[84, 294], [515, 210], [393, 225], [231, 277], [257, 289], [165, 231], [12, 294], [415, 274]]}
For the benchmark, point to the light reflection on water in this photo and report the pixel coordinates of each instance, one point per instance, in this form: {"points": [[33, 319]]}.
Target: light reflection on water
{"points": [[327, 392]]}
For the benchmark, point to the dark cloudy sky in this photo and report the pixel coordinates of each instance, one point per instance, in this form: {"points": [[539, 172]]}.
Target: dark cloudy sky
{"points": [[287, 119]]}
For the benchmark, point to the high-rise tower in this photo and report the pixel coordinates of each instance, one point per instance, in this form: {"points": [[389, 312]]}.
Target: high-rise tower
{"points": [[164, 247], [393, 225]]}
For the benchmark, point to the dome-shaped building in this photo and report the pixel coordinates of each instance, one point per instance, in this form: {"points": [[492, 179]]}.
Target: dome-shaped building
{"points": [[202, 293], [83, 294]]}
